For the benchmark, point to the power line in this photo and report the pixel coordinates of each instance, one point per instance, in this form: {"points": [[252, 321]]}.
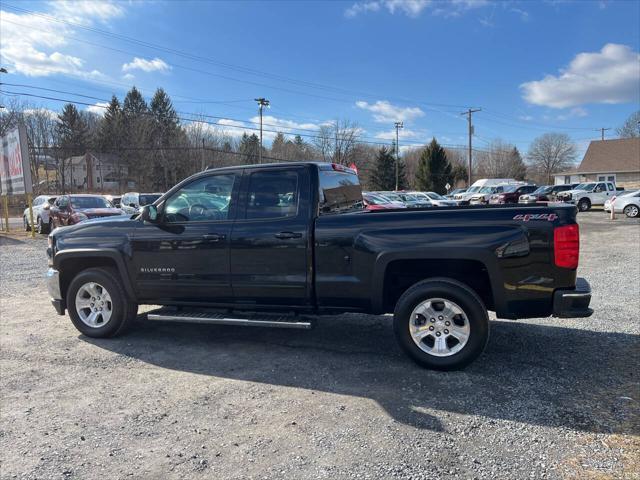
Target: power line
{"points": [[217, 124]]}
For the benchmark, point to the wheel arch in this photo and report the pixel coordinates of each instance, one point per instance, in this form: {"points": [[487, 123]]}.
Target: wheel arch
{"points": [[71, 262]]}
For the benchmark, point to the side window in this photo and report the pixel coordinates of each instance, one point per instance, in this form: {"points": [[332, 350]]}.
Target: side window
{"points": [[611, 188], [62, 202], [205, 199], [601, 187], [272, 194]]}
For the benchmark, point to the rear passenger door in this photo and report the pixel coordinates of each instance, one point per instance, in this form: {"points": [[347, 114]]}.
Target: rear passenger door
{"points": [[269, 248]]}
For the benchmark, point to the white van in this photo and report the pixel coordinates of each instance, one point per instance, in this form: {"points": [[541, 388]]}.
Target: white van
{"points": [[463, 198]]}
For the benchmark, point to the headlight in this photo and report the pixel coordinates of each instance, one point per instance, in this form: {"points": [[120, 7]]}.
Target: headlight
{"points": [[79, 217]]}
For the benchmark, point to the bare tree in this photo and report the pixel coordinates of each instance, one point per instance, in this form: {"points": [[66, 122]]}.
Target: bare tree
{"points": [[323, 142], [336, 142], [551, 153], [631, 127], [501, 160]]}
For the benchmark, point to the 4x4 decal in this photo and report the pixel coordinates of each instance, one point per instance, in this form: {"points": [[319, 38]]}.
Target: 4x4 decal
{"points": [[525, 217]]}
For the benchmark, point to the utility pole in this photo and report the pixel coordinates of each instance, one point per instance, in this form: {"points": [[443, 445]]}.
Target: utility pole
{"points": [[202, 157], [468, 113], [399, 125], [262, 102], [602, 130]]}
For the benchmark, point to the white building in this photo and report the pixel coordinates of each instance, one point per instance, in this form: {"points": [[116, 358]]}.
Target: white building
{"points": [[97, 172]]}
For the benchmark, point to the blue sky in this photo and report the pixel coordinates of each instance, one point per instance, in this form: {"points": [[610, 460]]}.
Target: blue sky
{"points": [[532, 67]]}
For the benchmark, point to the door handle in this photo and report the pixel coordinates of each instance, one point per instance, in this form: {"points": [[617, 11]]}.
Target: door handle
{"points": [[214, 237], [287, 235]]}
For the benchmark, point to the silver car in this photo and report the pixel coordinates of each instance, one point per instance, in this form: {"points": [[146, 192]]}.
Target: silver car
{"points": [[627, 203], [436, 199]]}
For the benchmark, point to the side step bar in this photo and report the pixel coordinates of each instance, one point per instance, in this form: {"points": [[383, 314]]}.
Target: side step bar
{"points": [[253, 320]]}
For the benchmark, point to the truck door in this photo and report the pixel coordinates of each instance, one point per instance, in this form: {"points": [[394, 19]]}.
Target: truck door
{"points": [[184, 257], [270, 250]]}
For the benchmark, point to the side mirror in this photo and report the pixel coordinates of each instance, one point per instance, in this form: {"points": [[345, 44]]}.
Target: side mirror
{"points": [[47, 206], [132, 205], [149, 213]]}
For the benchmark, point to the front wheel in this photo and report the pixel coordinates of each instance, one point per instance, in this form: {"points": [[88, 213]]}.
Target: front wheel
{"points": [[584, 205], [25, 223], [631, 211], [441, 324], [98, 305]]}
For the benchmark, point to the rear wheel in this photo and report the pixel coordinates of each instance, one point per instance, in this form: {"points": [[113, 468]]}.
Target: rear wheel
{"points": [[584, 205], [631, 211], [42, 228], [25, 223], [98, 306], [441, 324]]}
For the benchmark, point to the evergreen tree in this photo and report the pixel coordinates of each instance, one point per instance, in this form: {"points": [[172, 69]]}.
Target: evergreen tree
{"points": [[137, 135], [434, 169], [72, 138], [278, 146], [165, 132], [134, 104], [519, 169], [249, 147], [111, 130], [384, 175]]}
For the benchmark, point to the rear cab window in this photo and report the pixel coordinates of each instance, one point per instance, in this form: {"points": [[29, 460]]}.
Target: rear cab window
{"points": [[340, 189]]}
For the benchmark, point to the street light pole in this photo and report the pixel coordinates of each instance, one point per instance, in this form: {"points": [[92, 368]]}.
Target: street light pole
{"points": [[399, 125], [262, 102]]}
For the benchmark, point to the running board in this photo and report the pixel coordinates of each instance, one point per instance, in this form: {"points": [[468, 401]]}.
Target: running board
{"points": [[252, 320]]}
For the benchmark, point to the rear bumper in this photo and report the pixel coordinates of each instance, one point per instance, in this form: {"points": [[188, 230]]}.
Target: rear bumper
{"points": [[53, 286], [573, 303]]}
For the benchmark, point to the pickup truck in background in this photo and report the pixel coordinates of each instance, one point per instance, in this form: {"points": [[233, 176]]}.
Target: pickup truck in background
{"points": [[268, 245], [587, 195]]}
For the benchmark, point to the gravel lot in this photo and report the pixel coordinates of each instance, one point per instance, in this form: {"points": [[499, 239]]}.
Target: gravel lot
{"points": [[550, 398]]}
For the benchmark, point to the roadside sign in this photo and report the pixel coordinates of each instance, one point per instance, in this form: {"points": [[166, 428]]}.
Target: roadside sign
{"points": [[15, 171], [448, 187]]}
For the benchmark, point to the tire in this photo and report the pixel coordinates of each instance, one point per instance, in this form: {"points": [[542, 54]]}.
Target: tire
{"points": [[51, 225], [95, 281], [631, 211], [25, 223], [42, 228], [455, 297], [584, 205]]}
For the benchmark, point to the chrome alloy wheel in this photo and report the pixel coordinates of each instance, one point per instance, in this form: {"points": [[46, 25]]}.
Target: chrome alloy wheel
{"points": [[93, 304], [631, 211], [439, 327]]}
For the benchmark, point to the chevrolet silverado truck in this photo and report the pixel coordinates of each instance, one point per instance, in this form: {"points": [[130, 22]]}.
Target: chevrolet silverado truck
{"points": [[279, 245]]}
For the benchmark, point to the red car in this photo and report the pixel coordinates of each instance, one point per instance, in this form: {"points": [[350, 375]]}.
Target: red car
{"points": [[72, 209], [512, 193]]}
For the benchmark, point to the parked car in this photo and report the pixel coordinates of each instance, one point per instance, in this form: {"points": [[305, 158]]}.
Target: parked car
{"points": [[436, 199], [586, 195], [545, 193], [409, 200], [131, 202], [627, 202], [72, 209], [465, 198], [482, 196], [512, 193], [261, 254], [41, 205], [374, 201], [114, 199], [452, 193]]}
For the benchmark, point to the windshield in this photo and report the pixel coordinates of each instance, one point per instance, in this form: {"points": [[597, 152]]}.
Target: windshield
{"points": [[509, 188], [487, 189], [474, 189], [148, 199], [545, 189], [90, 202], [435, 196], [375, 199], [392, 196], [586, 186]]}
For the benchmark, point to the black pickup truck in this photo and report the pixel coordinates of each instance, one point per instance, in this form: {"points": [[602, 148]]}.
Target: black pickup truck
{"points": [[271, 244]]}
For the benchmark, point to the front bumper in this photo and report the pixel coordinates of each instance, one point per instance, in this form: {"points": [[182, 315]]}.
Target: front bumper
{"points": [[573, 303], [53, 286]]}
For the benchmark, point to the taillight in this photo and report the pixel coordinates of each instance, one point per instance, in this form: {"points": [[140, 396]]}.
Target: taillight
{"points": [[566, 246]]}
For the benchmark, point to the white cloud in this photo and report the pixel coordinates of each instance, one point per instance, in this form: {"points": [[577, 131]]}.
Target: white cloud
{"points": [[128, 76], [35, 111], [413, 8], [31, 44], [82, 11], [385, 112], [609, 76], [284, 126], [98, 108], [405, 133], [154, 65]]}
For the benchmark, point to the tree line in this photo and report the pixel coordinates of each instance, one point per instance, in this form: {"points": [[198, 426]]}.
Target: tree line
{"points": [[155, 148]]}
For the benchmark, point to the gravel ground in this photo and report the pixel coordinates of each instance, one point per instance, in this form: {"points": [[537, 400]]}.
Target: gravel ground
{"points": [[550, 398]]}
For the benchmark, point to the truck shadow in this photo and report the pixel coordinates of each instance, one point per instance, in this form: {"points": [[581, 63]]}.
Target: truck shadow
{"points": [[530, 373]]}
